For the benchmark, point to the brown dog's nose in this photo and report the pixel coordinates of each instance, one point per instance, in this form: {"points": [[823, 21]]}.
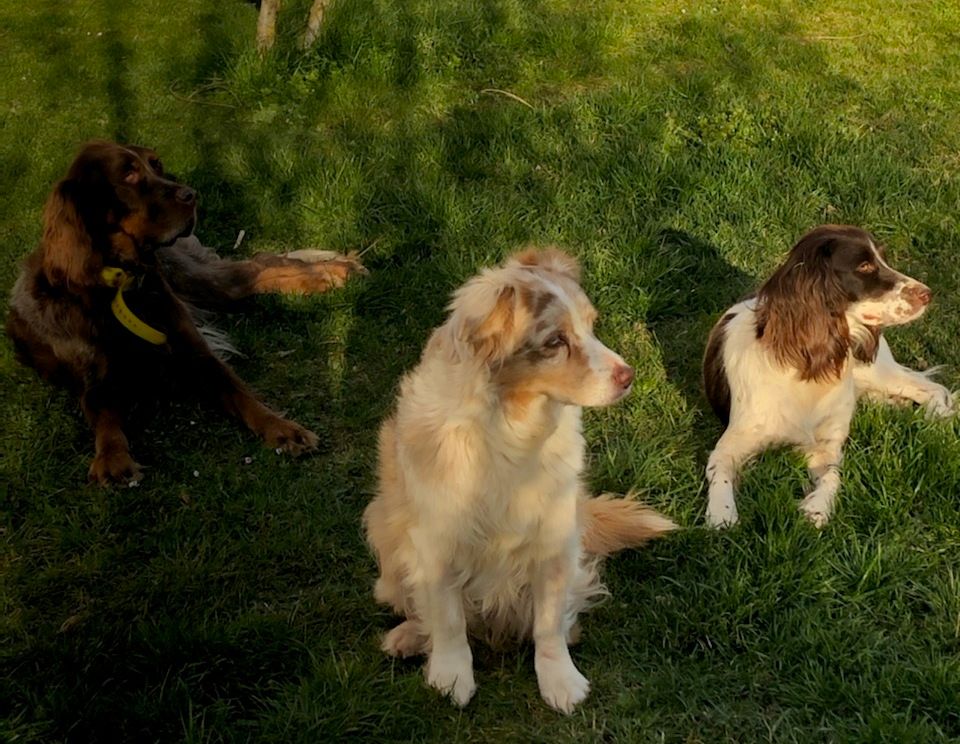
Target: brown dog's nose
{"points": [[917, 294], [623, 376], [186, 195]]}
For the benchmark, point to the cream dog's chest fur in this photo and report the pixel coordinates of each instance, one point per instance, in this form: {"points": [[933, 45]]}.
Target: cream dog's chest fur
{"points": [[509, 492], [527, 500]]}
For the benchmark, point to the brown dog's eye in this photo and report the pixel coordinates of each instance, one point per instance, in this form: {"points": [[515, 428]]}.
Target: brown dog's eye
{"points": [[866, 268], [157, 166], [557, 340]]}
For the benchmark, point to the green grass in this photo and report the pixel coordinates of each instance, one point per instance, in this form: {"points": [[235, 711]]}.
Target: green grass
{"points": [[678, 149]]}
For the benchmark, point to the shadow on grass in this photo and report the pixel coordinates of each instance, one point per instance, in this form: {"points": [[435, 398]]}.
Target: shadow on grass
{"points": [[120, 97], [698, 287]]}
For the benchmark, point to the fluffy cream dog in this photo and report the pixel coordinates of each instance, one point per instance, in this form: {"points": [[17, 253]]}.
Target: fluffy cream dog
{"points": [[481, 523]]}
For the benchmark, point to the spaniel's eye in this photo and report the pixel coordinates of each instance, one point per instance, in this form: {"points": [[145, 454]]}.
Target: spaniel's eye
{"points": [[157, 166], [866, 267], [556, 340], [131, 174]]}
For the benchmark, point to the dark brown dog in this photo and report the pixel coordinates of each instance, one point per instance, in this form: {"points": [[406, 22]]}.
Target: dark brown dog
{"points": [[106, 304]]}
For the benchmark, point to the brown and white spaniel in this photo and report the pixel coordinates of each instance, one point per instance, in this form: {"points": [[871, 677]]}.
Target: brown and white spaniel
{"points": [[787, 366], [106, 303]]}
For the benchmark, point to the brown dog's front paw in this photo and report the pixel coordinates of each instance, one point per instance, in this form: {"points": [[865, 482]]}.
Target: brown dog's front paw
{"points": [[342, 268], [290, 437], [114, 467], [334, 269], [352, 264]]}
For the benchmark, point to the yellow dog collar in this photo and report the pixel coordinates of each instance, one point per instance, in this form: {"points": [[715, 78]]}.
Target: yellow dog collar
{"points": [[116, 277]]}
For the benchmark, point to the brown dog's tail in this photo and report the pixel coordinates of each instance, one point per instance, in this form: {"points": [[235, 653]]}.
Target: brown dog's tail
{"points": [[611, 524]]}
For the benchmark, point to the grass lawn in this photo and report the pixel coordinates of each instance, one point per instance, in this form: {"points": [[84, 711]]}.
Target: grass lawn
{"points": [[678, 148]]}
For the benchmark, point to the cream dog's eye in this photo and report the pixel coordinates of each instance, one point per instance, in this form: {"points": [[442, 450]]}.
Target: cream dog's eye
{"points": [[556, 340]]}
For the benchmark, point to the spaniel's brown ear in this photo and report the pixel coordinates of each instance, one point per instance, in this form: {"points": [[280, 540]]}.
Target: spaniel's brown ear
{"points": [[866, 344], [67, 247], [551, 259], [800, 316]]}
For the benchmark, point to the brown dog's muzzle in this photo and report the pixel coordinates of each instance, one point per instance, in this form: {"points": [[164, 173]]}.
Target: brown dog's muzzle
{"points": [[186, 195]]}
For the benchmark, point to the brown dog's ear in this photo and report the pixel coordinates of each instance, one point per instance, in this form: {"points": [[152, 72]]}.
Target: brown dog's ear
{"points": [[67, 247], [551, 259], [800, 314]]}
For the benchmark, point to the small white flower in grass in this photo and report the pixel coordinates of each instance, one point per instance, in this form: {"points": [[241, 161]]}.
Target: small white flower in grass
{"points": [[278, 450], [133, 484], [196, 473], [247, 460]]}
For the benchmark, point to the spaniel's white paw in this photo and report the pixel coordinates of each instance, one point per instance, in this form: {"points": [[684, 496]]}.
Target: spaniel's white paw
{"points": [[722, 515]]}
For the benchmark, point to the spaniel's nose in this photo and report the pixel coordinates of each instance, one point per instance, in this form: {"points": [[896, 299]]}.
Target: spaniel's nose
{"points": [[186, 195], [917, 294], [623, 376]]}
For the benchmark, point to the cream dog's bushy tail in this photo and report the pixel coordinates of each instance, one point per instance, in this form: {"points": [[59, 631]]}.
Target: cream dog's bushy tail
{"points": [[611, 524]]}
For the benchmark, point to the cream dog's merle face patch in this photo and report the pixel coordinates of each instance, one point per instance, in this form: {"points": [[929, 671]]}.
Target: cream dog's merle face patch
{"points": [[556, 352]]}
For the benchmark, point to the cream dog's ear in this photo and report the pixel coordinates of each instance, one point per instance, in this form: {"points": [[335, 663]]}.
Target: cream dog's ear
{"points": [[550, 259], [492, 337], [485, 322]]}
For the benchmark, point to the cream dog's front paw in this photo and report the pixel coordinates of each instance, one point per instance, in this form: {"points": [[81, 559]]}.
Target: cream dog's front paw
{"points": [[561, 684], [451, 672]]}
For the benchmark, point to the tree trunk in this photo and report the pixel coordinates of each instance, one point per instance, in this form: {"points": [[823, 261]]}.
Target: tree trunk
{"points": [[267, 25], [314, 22]]}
